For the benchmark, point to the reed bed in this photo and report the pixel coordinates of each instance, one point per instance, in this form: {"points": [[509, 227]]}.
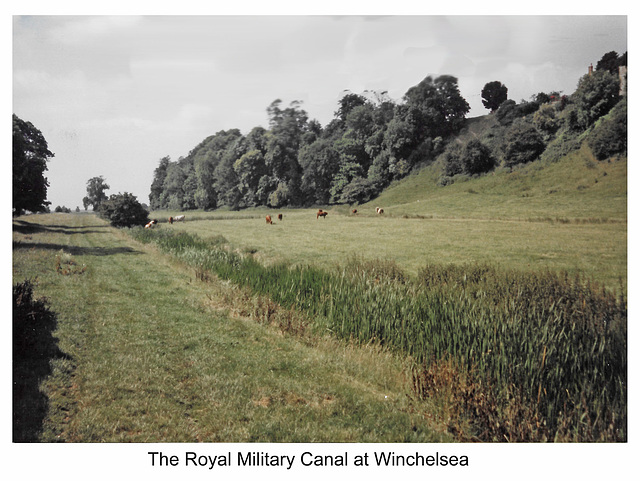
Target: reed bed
{"points": [[537, 356]]}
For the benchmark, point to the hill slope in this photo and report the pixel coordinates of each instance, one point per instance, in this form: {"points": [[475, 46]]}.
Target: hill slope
{"points": [[576, 188]]}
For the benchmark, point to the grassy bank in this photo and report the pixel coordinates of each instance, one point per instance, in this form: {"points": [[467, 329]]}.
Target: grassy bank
{"points": [[148, 353], [534, 356]]}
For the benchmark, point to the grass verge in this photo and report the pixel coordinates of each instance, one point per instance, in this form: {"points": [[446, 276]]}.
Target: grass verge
{"points": [[536, 356]]}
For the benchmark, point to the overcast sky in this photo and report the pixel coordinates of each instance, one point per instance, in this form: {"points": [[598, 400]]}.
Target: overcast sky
{"points": [[113, 95]]}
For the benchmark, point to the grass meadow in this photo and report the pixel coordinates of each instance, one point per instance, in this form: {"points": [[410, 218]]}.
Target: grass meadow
{"points": [[149, 353], [492, 309]]}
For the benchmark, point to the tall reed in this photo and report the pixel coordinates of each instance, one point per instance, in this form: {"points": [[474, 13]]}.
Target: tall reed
{"points": [[535, 356]]}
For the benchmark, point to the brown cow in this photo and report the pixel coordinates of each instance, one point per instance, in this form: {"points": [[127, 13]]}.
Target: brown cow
{"points": [[279, 216], [354, 211], [170, 220], [269, 221], [321, 213]]}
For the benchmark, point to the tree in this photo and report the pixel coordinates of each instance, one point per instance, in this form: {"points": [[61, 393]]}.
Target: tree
{"points": [[159, 175], [609, 62], [124, 210], [477, 158], [595, 96], [30, 156], [442, 108], [523, 143], [96, 187], [545, 119], [250, 168], [609, 136], [493, 95], [347, 103], [320, 162]]}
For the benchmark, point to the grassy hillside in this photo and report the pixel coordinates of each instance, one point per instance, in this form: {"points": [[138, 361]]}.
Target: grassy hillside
{"points": [[576, 188]]}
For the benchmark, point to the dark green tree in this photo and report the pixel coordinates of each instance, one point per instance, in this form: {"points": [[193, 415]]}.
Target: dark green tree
{"points": [[157, 185], [493, 95], [124, 210], [523, 143], [173, 186], [595, 96], [609, 62], [96, 187], [30, 156], [609, 136], [347, 103], [320, 162], [442, 107], [250, 168], [477, 158]]}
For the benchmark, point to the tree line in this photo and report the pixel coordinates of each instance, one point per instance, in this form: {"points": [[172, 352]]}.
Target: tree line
{"points": [[370, 142]]}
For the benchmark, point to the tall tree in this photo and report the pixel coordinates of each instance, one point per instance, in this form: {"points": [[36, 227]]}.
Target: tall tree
{"points": [[159, 175], [609, 62], [96, 187], [320, 162], [442, 107], [493, 95], [250, 168], [30, 156], [595, 96]]}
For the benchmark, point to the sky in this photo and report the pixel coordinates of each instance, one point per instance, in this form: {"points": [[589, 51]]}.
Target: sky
{"points": [[112, 95]]}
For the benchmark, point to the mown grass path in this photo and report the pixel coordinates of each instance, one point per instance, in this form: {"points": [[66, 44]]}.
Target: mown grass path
{"points": [[149, 360]]}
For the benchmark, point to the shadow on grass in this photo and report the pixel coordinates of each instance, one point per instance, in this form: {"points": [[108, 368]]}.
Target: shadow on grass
{"points": [[24, 227], [75, 250], [34, 347]]}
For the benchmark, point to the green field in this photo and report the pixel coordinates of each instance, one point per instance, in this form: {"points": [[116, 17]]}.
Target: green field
{"points": [[532, 219], [152, 355], [216, 328]]}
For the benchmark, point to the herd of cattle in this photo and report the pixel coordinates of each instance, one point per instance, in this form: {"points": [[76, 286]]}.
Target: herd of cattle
{"points": [[320, 213]]}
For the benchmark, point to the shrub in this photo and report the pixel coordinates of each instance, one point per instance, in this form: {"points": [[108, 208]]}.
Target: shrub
{"points": [[477, 158], [595, 96], [545, 119], [610, 136], [33, 348], [523, 144], [124, 210], [33, 324]]}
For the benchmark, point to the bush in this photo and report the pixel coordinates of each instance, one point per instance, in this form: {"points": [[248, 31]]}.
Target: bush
{"points": [[33, 324], [610, 136], [595, 96], [523, 144], [33, 348], [124, 210], [471, 158], [545, 119]]}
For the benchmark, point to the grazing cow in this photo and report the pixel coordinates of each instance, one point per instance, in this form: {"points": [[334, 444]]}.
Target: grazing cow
{"points": [[379, 210], [321, 213], [354, 211], [178, 218], [151, 224], [269, 221], [170, 220], [279, 216]]}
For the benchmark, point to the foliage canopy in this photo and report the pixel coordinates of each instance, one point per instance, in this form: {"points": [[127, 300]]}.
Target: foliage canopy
{"points": [[30, 156]]}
